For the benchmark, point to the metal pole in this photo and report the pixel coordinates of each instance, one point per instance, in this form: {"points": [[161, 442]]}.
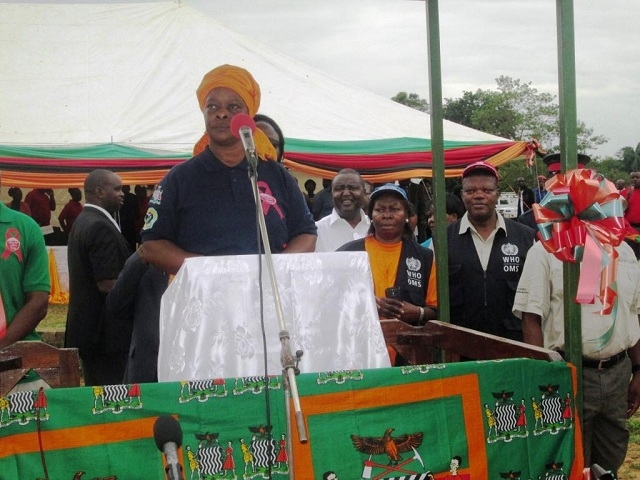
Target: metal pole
{"points": [[437, 156], [569, 158], [288, 360]]}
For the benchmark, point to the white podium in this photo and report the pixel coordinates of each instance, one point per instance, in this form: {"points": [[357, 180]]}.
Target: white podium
{"points": [[210, 316]]}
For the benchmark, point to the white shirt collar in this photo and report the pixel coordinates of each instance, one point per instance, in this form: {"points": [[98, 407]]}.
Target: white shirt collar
{"points": [[465, 224], [334, 216], [107, 214]]}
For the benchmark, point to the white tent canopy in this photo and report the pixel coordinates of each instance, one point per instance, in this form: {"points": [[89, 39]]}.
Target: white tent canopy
{"points": [[77, 74]]}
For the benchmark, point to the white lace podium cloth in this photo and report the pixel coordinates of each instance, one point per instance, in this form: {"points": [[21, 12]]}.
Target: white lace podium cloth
{"points": [[210, 316]]}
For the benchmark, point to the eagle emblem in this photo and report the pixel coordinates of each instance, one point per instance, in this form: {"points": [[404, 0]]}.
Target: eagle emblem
{"points": [[387, 445], [261, 431], [207, 439]]}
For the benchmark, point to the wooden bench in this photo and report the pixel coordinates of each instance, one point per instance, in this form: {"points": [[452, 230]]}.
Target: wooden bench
{"points": [[418, 345], [59, 367]]}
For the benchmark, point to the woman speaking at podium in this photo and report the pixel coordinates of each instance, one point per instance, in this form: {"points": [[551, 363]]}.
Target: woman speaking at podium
{"points": [[205, 206]]}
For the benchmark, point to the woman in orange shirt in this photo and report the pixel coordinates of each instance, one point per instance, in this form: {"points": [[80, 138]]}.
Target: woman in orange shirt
{"points": [[403, 271]]}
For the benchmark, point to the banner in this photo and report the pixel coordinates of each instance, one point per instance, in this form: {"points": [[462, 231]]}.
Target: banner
{"points": [[473, 420]]}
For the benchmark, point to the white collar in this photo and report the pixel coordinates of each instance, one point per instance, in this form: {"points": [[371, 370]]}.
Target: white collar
{"points": [[107, 214]]}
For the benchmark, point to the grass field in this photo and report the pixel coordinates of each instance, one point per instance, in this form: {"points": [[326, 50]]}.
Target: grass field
{"points": [[56, 318], [631, 468]]}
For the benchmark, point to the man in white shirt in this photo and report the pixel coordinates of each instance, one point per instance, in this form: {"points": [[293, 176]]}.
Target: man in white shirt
{"points": [[347, 221], [610, 347]]}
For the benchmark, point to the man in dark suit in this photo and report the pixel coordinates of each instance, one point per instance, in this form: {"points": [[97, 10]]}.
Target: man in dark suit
{"points": [[526, 197], [135, 300], [97, 252]]}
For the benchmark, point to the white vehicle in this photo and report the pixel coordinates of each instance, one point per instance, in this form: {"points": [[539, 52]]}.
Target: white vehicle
{"points": [[508, 205]]}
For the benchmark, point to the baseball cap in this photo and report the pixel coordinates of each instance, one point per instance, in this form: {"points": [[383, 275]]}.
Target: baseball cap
{"points": [[480, 166], [388, 188]]}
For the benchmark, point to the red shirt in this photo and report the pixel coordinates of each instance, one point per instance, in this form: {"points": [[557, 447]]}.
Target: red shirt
{"points": [[38, 202], [68, 215], [632, 213]]}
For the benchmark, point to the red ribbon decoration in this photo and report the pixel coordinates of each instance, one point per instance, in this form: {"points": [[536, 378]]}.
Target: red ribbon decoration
{"points": [[581, 219], [12, 244], [533, 148]]}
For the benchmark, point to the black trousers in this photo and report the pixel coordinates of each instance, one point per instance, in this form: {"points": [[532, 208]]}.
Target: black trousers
{"points": [[104, 369]]}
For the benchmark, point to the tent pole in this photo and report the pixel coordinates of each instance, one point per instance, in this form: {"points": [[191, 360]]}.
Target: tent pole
{"points": [[569, 158], [437, 152]]}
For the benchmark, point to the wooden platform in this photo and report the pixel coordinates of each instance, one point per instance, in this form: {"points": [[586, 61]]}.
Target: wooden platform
{"points": [[423, 345]]}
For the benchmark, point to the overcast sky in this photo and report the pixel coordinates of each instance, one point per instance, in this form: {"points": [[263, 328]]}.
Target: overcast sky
{"points": [[380, 45]]}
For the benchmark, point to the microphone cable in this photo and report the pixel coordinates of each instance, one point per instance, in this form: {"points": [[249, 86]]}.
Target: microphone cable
{"points": [[39, 430], [265, 357]]}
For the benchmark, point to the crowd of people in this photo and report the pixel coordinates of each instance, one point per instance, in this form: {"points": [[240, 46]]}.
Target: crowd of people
{"points": [[40, 203], [501, 281]]}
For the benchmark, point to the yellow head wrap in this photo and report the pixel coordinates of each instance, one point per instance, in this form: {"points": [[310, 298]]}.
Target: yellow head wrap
{"points": [[242, 82], [237, 79]]}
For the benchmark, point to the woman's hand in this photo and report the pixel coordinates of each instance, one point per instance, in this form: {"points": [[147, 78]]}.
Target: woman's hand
{"points": [[389, 308], [411, 314], [405, 311]]}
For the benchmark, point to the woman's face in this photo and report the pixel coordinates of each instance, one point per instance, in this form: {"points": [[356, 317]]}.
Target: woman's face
{"points": [[389, 216], [431, 220], [272, 135], [221, 106]]}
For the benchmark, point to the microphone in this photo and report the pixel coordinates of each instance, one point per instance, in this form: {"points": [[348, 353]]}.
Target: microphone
{"points": [[242, 127], [167, 434]]}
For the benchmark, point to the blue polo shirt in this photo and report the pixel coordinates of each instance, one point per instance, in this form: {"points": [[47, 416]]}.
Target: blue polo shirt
{"points": [[206, 207]]}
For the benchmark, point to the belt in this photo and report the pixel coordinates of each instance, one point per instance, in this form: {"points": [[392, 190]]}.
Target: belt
{"points": [[605, 363]]}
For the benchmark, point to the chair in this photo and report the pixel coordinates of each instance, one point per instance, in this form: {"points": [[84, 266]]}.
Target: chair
{"points": [[418, 344], [59, 367]]}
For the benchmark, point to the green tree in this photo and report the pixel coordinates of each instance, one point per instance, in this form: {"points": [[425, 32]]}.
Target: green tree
{"points": [[412, 100], [630, 158], [517, 111], [511, 171], [612, 169], [461, 109]]}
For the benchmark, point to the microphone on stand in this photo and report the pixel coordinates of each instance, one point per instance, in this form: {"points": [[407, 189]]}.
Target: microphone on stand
{"points": [[242, 127], [167, 434]]}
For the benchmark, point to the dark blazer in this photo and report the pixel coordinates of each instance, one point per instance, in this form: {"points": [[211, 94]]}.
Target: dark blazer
{"points": [[96, 251], [528, 199], [135, 302]]}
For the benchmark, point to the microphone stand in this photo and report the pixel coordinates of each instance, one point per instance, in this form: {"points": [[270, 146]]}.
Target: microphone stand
{"points": [[289, 364]]}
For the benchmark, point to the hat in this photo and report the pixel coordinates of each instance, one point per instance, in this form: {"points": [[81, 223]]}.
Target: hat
{"points": [[388, 188], [241, 82], [480, 166], [552, 161], [542, 177], [235, 78]]}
